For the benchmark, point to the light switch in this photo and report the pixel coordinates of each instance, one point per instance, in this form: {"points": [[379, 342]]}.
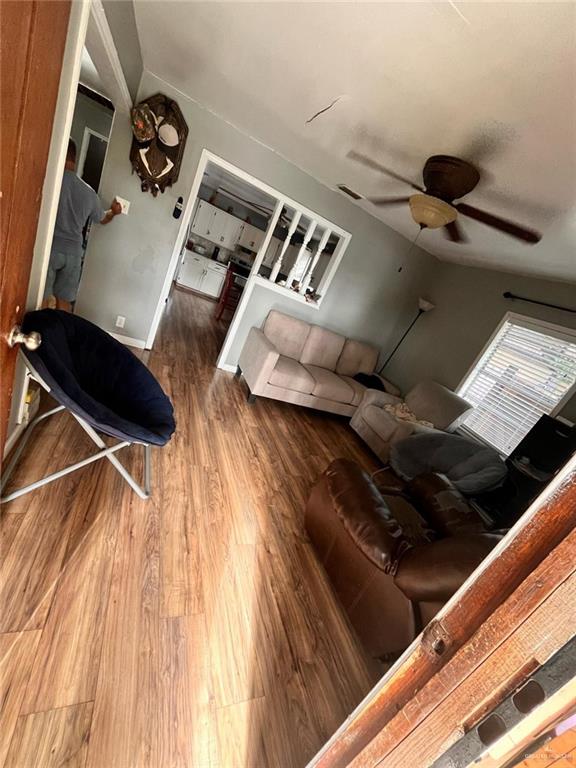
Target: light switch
{"points": [[125, 204]]}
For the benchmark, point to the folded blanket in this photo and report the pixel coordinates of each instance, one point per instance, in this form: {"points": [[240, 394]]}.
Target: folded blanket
{"points": [[402, 412]]}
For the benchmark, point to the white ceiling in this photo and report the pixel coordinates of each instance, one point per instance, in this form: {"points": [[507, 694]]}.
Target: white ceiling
{"points": [[491, 82], [215, 177], [89, 74]]}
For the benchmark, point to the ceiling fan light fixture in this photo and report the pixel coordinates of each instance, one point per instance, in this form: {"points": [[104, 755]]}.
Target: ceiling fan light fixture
{"points": [[431, 212]]}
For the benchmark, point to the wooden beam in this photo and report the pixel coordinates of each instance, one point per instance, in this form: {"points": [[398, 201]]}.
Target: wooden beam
{"points": [[536, 589], [538, 637], [544, 527]]}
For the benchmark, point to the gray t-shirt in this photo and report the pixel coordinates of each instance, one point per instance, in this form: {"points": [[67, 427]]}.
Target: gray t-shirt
{"points": [[78, 203]]}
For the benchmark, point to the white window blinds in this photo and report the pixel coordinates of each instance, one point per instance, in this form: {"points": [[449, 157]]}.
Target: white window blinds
{"points": [[526, 370]]}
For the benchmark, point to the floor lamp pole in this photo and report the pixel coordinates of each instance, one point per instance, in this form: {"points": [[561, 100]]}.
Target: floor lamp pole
{"points": [[406, 332]]}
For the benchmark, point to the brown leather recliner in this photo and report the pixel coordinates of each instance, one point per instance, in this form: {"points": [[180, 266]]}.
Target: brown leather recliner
{"points": [[393, 559]]}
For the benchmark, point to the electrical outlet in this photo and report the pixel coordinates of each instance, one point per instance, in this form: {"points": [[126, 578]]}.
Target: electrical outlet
{"points": [[125, 205], [120, 321]]}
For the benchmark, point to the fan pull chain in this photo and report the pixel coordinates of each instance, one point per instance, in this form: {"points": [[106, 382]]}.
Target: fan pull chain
{"points": [[412, 246]]}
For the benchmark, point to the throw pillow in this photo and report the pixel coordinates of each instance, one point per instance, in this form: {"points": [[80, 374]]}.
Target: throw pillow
{"points": [[370, 380]]}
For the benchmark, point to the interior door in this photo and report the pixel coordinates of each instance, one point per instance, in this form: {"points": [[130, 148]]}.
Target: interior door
{"points": [[33, 36]]}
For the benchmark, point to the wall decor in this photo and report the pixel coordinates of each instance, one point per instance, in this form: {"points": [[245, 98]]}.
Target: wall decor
{"points": [[160, 134]]}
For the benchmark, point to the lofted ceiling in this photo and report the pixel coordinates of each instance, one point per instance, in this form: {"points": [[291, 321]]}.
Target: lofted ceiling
{"points": [[494, 83]]}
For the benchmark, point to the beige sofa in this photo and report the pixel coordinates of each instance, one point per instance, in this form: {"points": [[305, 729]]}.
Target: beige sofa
{"points": [[428, 401], [294, 361]]}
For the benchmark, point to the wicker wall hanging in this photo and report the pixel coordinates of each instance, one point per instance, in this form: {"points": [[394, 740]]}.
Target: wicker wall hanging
{"points": [[160, 133]]}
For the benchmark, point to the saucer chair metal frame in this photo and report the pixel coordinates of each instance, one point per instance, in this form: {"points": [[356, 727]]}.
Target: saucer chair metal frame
{"points": [[105, 452]]}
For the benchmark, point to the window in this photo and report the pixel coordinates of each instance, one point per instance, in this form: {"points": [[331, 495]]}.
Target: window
{"points": [[527, 369]]}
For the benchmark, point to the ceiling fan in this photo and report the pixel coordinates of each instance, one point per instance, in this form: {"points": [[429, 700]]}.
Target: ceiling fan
{"points": [[446, 179]]}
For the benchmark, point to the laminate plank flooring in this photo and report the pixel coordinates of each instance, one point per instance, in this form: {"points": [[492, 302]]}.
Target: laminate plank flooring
{"points": [[17, 651], [52, 739], [192, 630]]}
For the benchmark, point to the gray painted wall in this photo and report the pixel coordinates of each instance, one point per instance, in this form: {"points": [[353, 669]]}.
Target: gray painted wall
{"points": [[89, 114], [469, 305], [127, 260], [122, 22]]}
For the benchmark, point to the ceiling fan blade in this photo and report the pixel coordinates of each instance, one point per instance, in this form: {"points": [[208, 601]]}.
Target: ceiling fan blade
{"points": [[369, 163], [509, 227], [454, 232], [387, 200]]}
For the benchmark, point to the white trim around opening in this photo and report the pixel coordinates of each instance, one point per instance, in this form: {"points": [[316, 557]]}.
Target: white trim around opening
{"points": [[281, 201]]}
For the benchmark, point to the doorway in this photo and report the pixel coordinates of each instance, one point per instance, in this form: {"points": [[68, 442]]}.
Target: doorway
{"points": [[90, 131], [279, 244], [92, 156], [227, 225]]}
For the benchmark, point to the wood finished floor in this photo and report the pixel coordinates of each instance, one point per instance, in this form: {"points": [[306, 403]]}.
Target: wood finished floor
{"points": [[192, 630]]}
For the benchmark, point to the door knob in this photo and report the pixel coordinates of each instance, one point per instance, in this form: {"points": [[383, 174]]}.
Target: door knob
{"points": [[30, 340]]}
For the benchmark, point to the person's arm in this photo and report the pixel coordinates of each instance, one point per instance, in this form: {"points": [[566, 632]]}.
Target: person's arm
{"points": [[113, 211]]}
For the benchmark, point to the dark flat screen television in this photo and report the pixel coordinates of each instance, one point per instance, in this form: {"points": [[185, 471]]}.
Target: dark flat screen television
{"points": [[548, 445]]}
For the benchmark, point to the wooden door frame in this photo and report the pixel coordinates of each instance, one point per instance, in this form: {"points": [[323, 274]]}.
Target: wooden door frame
{"points": [[399, 705], [87, 20]]}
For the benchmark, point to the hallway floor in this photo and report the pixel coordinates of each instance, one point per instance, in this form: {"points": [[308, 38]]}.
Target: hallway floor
{"points": [[192, 630]]}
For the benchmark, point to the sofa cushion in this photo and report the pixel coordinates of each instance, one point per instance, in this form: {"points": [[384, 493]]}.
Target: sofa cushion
{"points": [[431, 401], [322, 348], [329, 385], [289, 374], [470, 465], [288, 334], [357, 357], [358, 388]]}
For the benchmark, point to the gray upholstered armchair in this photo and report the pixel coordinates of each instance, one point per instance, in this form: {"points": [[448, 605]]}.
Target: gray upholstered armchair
{"points": [[428, 401]]}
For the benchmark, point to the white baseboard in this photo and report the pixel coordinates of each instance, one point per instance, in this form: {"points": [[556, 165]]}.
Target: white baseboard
{"points": [[227, 367], [129, 341]]}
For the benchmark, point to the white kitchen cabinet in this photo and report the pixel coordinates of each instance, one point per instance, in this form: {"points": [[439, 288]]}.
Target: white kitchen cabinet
{"points": [[212, 283], [192, 271], [251, 237], [201, 274], [216, 225], [203, 219], [225, 229]]}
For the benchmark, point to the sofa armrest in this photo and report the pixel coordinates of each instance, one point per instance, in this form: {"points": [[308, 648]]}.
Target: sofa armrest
{"points": [[434, 572], [375, 397], [257, 360], [365, 514]]}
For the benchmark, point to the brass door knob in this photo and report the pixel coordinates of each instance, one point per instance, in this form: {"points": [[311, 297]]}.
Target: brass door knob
{"points": [[30, 340]]}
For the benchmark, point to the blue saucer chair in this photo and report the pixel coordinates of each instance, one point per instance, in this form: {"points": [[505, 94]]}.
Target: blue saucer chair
{"points": [[102, 384]]}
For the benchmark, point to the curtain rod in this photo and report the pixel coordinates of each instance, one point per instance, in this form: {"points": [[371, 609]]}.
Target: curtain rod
{"points": [[508, 295]]}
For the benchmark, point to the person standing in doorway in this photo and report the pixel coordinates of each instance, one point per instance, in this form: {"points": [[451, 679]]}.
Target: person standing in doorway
{"points": [[78, 203]]}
